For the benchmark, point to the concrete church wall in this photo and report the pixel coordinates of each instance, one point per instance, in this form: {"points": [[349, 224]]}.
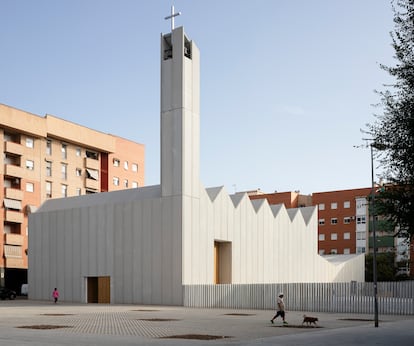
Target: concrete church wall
{"points": [[270, 244], [137, 244]]}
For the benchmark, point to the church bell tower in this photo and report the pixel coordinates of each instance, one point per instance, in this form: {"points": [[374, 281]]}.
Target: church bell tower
{"points": [[180, 115]]}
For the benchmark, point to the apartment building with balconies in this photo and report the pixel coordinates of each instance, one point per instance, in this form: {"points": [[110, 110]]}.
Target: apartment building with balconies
{"points": [[48, 157]]}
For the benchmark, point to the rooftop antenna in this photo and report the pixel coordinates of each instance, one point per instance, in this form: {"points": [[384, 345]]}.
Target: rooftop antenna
{"points": [[171, 16]]}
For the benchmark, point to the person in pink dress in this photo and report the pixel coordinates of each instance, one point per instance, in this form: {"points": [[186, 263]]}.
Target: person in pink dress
{"points": [[55, 295]]}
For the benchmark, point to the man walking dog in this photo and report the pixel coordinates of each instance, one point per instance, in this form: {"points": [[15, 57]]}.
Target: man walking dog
{"points": [[280, 309]]}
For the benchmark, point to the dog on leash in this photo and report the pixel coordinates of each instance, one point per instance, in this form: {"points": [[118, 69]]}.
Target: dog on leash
{"points": [[309, 320]]}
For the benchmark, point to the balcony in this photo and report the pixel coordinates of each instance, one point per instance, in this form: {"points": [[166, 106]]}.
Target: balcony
{"points": [[14, 194], [13, 239], [14, 171], [14, 263], [92, 184], [14, 216], [92, 163], [13, 148], [12, 251]]}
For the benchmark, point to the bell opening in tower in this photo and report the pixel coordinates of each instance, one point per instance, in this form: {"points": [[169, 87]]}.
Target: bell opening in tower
{"points": [[167, 47]]}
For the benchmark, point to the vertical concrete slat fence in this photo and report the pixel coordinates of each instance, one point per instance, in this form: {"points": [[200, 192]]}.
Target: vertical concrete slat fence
{"points": [[394, 298]]}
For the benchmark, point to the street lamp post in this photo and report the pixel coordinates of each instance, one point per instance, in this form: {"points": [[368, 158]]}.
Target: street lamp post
{"points": [[374, 238]]}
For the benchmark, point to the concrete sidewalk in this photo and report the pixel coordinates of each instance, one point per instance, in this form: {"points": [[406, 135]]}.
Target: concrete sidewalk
{"points": [[26, 322]]}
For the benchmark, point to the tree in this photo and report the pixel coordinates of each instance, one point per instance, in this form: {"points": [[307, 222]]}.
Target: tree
{"points": [[393, 131], [386, 270]]}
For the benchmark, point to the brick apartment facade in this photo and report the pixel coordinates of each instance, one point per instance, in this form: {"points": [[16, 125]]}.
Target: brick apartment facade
{"points": [[343, 221], [48, 157]]}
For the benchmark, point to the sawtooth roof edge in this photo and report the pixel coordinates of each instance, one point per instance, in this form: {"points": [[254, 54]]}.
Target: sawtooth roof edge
{"points": [[237, 198], [213, 192], [258, 203], [292, 213], [276, 208], [307, 213]]}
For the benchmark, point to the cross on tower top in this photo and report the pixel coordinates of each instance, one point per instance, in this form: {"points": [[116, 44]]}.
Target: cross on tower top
{"points": [[171, 16]]}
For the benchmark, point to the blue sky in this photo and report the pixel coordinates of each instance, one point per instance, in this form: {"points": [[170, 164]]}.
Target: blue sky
{"points": [[286, 85]]}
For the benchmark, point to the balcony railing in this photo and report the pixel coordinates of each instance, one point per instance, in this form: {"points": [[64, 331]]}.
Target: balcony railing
{"points": [[13, 239], [14, 263], [14, 194], [13, 148], [14, 216], [92, 184], [92, 163], [14, 171]]}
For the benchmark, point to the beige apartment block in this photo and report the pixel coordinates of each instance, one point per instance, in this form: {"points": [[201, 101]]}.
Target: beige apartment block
{"points": [[48, 157]]}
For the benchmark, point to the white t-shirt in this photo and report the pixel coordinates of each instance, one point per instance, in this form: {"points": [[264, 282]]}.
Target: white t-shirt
{"points": [[280, 304]]}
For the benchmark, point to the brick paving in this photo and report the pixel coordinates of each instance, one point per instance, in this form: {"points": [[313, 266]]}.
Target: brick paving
{"points": [[155, 322]]}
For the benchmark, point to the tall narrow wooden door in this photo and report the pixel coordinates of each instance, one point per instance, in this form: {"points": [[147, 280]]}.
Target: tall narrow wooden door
{"points": [[222, 262]]}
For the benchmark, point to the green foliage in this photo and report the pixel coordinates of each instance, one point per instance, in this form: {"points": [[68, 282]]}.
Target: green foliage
{"points": [[393, 131], [386, 270], [396, 205]]}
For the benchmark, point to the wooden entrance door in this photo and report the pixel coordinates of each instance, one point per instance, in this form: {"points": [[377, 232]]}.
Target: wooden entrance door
{"points": [[222, 262], [99, 289]]}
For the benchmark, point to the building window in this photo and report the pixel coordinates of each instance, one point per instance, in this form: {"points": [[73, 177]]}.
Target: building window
{"points": [[64, 190], [322, 206], [347, 220], [115, 181], [64, 151], [134, 167], [334, 205], [48, 189], [347, 251], [78, 191], [334, 221], [321, 252], [334, 251], [30, 165], [91, 155], [360, 250], [321, 222], [78, 152], [334, 236], [125, 183], [347, 204], [347, 235], [116, 162], [29, 187], [134, 184], [360, 236], [29, 142], [321, 237], [48, 168], [360, 220], [48, 147], [126, 165], [64, 169], [78, 172]]}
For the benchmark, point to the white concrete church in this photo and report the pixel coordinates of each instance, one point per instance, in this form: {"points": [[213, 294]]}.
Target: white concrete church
{"points": [[143, 245]]}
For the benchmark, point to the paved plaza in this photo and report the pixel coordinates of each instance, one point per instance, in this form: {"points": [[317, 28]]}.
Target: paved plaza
{"points": [[27, 322]]}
